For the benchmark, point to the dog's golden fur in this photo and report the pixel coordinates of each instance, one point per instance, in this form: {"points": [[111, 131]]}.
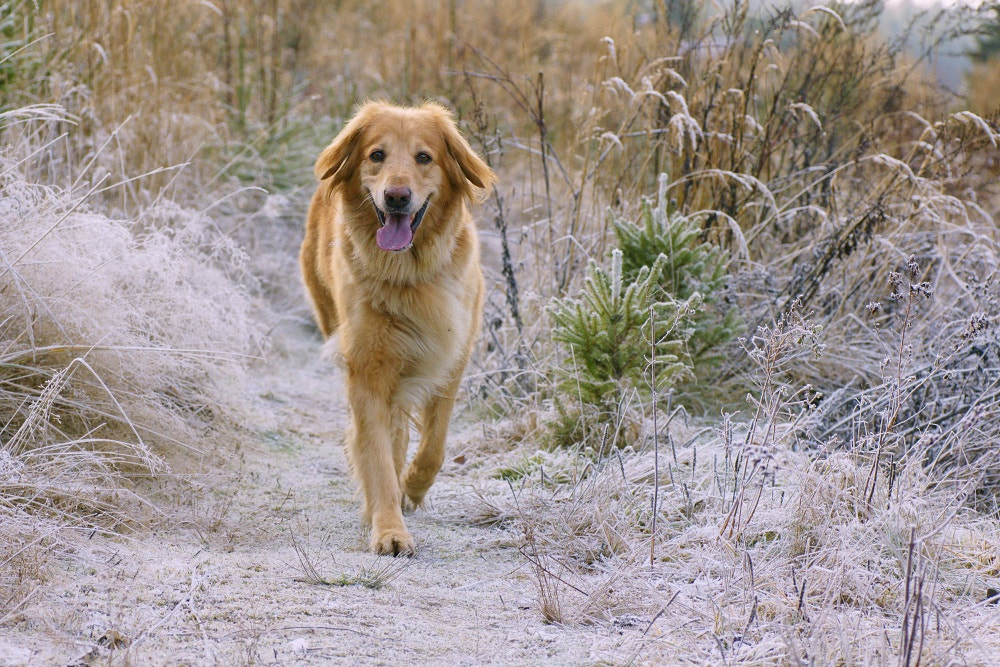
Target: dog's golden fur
{"points": [[407, 316]]}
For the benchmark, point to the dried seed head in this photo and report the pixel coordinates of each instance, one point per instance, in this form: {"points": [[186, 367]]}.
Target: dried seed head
{"points": [[977, 324]]}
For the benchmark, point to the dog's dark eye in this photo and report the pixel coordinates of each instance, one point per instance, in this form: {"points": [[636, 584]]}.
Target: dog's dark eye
{"points": [[377, 156], [423, 158]]}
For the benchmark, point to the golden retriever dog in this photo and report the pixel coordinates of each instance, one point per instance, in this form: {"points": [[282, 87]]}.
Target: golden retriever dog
{"points": [[391, 262]]}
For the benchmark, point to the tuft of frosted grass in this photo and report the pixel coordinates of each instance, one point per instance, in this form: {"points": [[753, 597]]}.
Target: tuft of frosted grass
{"points": [[771, 541], [150, 302], [814, 563], [119, 338]]}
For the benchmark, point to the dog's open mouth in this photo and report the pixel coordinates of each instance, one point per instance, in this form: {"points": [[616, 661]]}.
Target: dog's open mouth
{"points": [[397, 230]]}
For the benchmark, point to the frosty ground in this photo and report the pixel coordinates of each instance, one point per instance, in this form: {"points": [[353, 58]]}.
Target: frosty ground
{"points": [[225, 579]]}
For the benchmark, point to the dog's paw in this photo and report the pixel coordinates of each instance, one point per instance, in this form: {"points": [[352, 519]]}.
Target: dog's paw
{"points": [[414, 486], [393, 543], [412, 503]]}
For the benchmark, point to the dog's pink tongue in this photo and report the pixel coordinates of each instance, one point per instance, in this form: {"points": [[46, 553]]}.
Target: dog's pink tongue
{"points": [[396, 233]]}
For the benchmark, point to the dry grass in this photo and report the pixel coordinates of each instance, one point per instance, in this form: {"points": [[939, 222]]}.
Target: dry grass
{"points": [[757, 546], [119, 340], [376, 575], [845, 514]]}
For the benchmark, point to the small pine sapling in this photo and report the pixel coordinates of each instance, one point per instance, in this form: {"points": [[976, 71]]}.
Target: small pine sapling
{"points": [[691, 266], [607, 332]]}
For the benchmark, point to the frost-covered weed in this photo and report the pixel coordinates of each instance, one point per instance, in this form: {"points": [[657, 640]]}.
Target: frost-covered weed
{"points": [[119, 340]]}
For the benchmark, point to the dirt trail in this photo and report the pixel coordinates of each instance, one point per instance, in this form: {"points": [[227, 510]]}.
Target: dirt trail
{"points": [[227, 586]]}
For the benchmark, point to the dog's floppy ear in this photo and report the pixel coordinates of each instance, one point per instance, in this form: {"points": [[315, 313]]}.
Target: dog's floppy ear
{"points": [[464, 167], [344, 148]]}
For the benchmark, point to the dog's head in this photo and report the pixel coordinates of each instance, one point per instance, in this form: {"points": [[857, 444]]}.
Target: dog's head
{"points": [[409, 162]]}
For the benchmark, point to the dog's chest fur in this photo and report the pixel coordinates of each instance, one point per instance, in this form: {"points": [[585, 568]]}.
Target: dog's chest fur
{"points": [[424, 326]]}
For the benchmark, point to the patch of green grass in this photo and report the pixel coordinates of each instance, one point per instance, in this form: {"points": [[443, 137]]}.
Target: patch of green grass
{"points": [[555, 467]]}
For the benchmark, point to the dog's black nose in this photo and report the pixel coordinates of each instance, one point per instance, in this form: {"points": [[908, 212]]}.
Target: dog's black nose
{"points": [[397, 197]]}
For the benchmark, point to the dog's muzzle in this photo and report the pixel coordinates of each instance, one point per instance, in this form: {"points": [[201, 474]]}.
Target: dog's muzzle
{"points": [[397, 228]]}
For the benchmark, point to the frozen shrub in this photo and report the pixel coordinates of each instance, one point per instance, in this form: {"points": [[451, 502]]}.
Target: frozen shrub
{"points": [[119, 339]]}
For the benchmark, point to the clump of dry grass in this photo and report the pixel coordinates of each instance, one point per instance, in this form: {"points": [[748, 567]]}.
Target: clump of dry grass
{"points": [[113, 336], [128, 315], [376, 575], [746, 541], [817, 178]]}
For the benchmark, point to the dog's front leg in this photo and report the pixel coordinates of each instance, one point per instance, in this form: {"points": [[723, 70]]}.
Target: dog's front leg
{"points": [[426, 463], [371, 453]]}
